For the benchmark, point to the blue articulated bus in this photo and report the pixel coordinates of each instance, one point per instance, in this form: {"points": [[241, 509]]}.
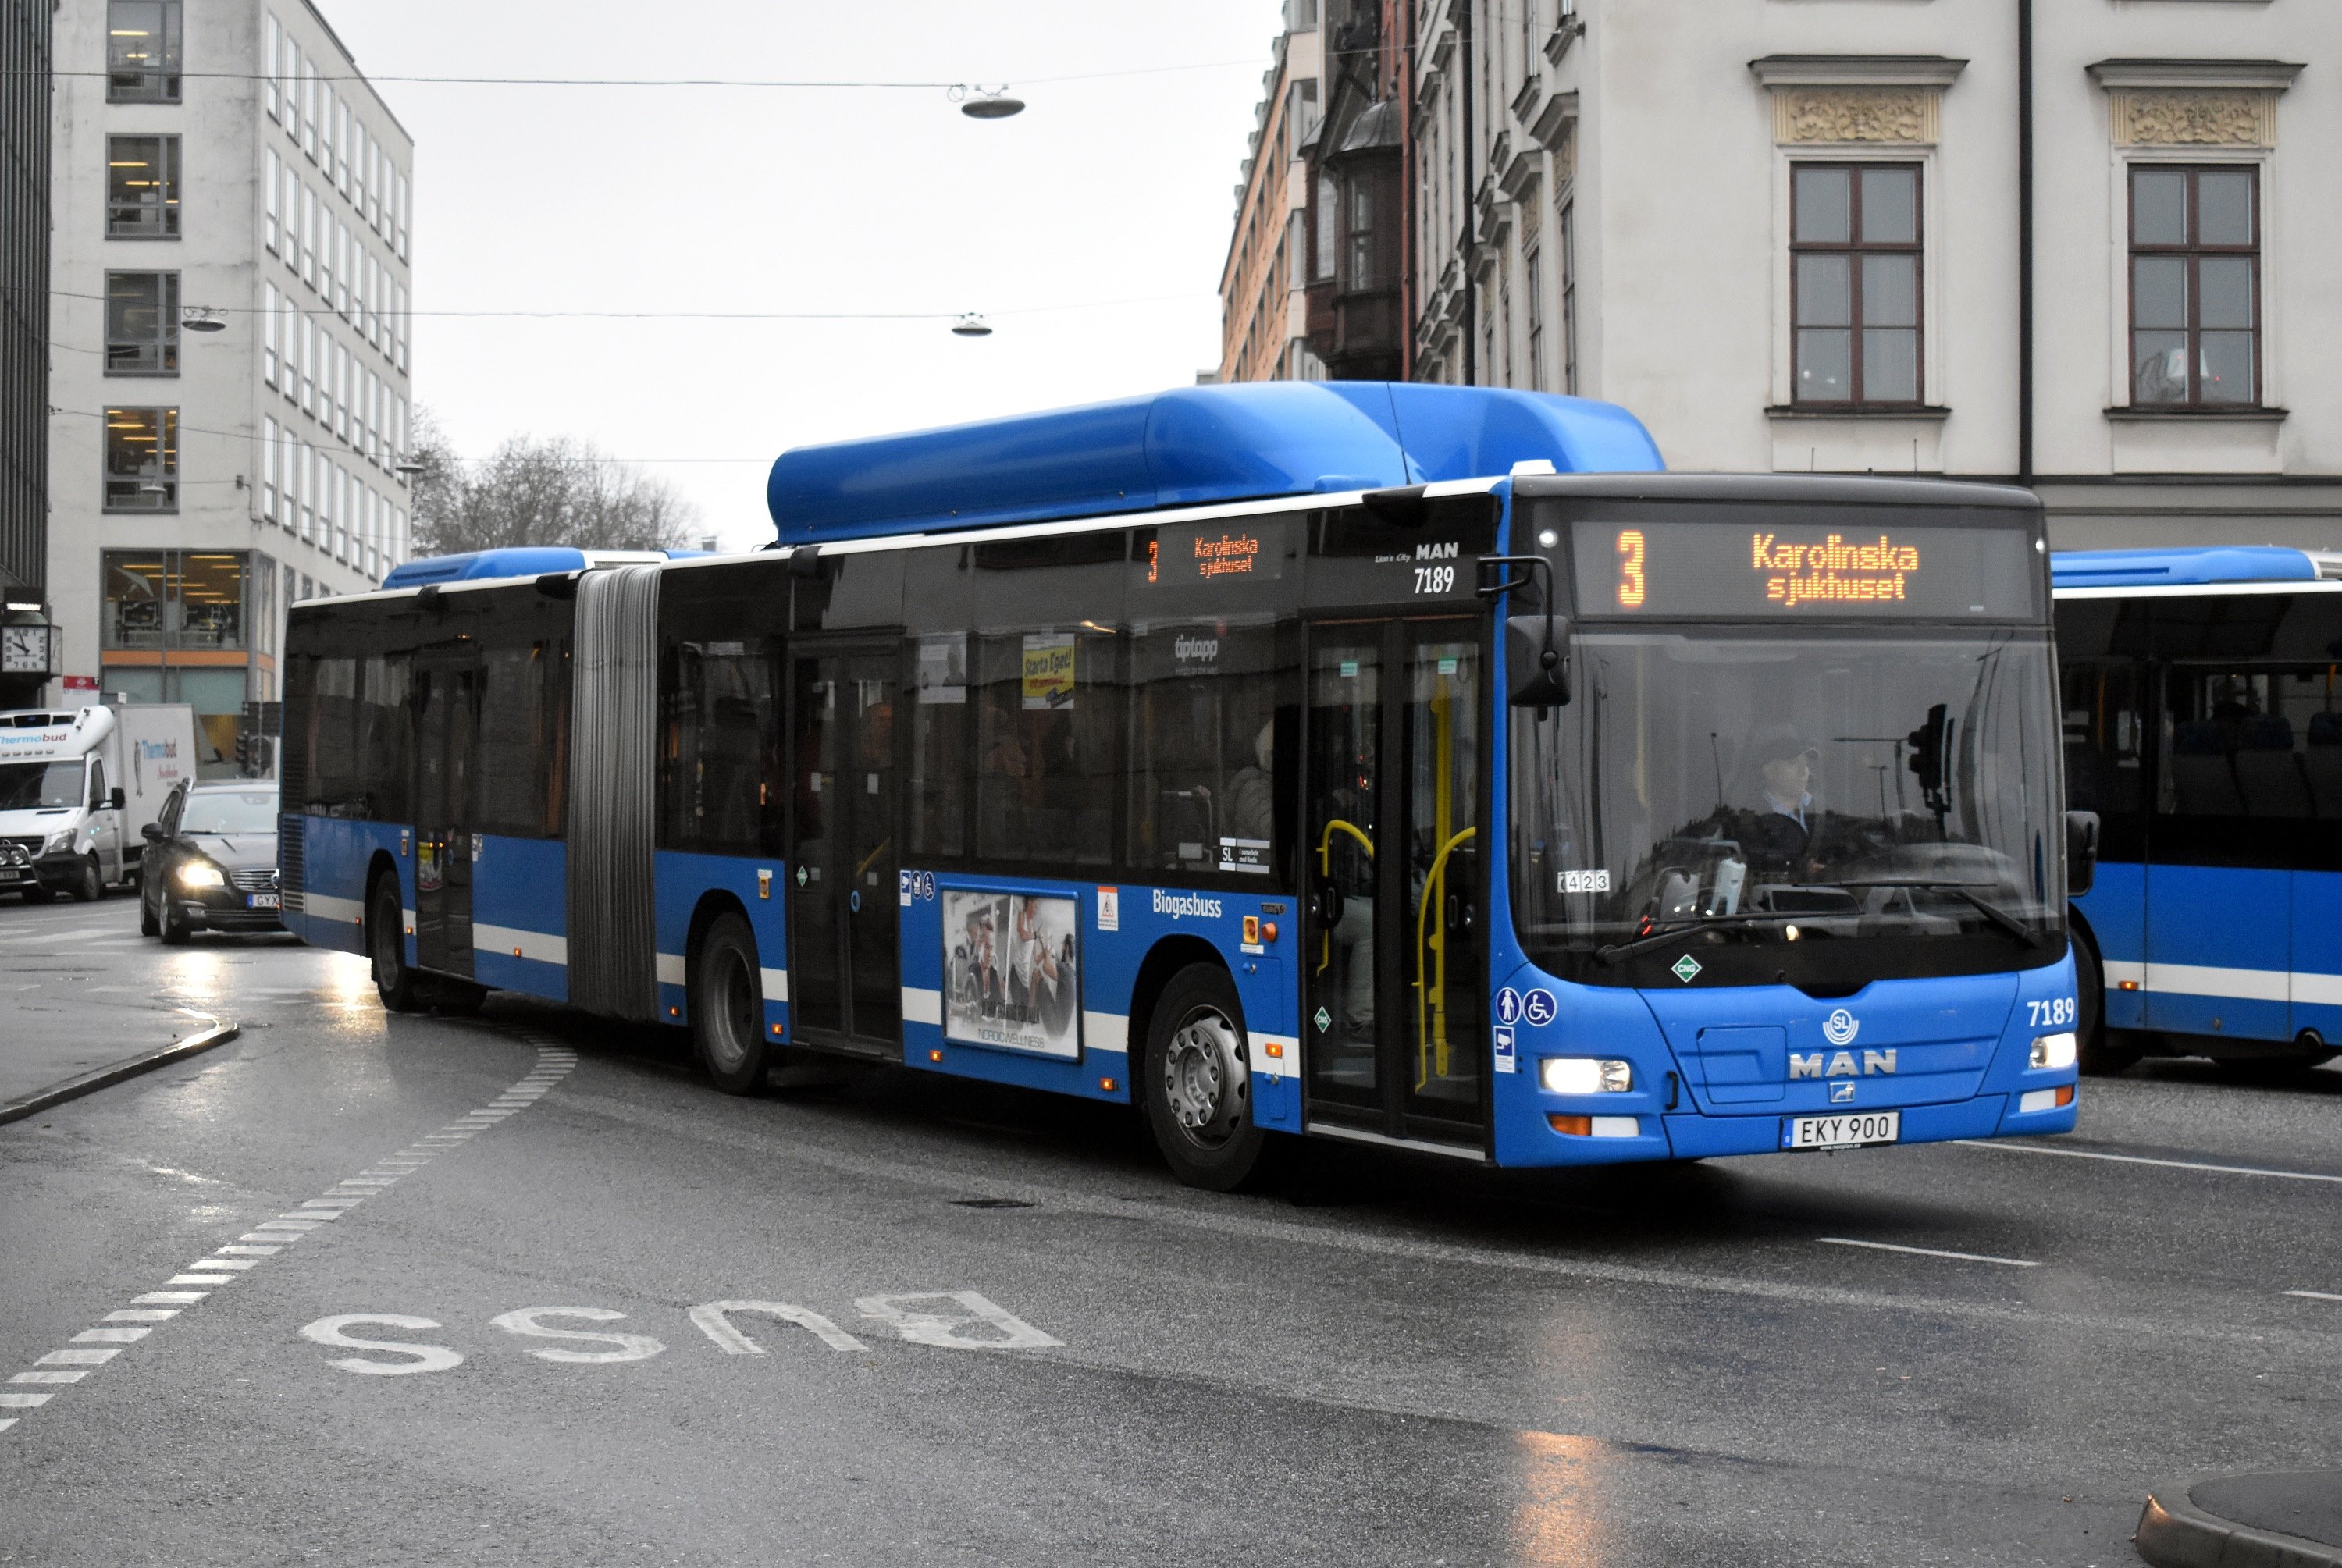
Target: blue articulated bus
{"points": [[2202, 691], [1416, 766]]}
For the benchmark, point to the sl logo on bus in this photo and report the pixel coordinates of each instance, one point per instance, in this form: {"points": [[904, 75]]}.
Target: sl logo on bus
{"points": [[1840, 1027]]}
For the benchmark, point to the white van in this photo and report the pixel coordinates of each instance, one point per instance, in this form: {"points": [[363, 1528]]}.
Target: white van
{"points": [[76, 786]]}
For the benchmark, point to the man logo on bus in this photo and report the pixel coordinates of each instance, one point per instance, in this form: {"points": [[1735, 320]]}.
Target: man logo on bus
{"points": [[1840, 1028]]}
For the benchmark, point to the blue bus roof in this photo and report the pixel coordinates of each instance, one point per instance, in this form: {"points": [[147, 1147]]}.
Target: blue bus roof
{"points": [[1192, 446], [522, 560], [2190, 565]]}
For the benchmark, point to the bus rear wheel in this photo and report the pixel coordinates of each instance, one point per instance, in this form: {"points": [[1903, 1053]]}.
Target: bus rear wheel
{"points": [[728, 1006], [394, 982], [1196, 1082]]}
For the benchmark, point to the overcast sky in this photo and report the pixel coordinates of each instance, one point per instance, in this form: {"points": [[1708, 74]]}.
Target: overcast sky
{"points": [[662, 199]]}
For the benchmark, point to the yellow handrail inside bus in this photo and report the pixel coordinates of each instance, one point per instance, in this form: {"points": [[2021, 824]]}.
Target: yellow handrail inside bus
{"points": [[1326, 868], [1430, 1019]]}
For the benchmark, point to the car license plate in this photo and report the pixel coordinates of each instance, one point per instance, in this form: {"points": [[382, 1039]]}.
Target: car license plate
{"points": [[1848, 1132], [261, 901]]}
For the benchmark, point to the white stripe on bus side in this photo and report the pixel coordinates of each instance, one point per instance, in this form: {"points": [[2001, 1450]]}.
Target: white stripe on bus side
{"points": [[327, 907], [673, 970], [2241, 984], [1107, 1030], [777, 984], [921, 1005], [543, 947]]}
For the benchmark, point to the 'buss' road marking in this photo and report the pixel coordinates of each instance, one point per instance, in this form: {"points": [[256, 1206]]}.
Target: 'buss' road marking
{"points": [[94, 1347], [2143, 1160], [2316, 1295]]}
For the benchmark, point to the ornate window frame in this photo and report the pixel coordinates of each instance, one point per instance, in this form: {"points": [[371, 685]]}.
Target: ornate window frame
{"points": [[2196, 113], [1857, 109]]}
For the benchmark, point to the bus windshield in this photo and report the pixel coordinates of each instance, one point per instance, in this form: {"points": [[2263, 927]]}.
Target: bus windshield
{"points": [[1774, 794], [40, 787]]}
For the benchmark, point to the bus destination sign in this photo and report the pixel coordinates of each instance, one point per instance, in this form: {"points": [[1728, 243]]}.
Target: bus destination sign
{"points": [[1778, 570], [1213, 553]]}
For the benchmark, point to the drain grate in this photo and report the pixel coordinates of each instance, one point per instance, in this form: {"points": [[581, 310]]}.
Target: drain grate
{"points": [[991, 1204]]}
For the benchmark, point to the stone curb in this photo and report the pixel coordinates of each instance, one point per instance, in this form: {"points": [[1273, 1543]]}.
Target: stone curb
{"points": [[2173, 1533], [220, 1033]]}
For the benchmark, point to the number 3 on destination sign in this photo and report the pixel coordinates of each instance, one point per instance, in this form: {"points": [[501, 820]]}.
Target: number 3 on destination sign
{"points": [[1630, 569]]}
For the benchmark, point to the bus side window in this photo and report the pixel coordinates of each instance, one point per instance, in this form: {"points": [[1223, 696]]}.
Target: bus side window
{"points": [[936, 802], [2105, 747], [1046, 728], [1206, 749]]}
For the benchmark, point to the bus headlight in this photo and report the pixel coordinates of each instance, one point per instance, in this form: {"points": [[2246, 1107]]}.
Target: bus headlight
{"points": [[193, 875], [2054, 1050], [1585, 1075]]}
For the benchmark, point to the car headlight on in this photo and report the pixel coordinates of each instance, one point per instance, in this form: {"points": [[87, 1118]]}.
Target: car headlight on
{"points": [[1585, 1075], [2055, 1049], [193, 875], [61, 839]]}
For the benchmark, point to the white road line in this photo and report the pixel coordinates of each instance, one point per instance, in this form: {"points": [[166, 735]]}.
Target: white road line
{"points": [[1929, 1253], [2316, 1295], [94, 1347], [2143, 1160]]}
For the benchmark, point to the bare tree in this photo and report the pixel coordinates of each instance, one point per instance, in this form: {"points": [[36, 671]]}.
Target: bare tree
{"points": [[557, 491]]}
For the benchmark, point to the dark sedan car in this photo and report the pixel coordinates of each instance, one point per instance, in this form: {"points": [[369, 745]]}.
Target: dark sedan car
{"points": [[210, 864]]}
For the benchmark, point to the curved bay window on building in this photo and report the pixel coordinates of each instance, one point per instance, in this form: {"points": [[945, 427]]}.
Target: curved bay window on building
{"points": [[142, 187], [142, 460], [1855, 278], [2195, 288], [1354, 311], [142, 51]]}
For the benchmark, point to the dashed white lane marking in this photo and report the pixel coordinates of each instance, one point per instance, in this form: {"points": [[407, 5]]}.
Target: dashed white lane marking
{"points": [[2316, 1295], [1929, 1253], [2007, 1148], [94, 1347]]}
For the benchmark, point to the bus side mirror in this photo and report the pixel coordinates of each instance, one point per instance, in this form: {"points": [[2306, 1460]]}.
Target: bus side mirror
{"points": [[1536, 660], [2081, 852]]}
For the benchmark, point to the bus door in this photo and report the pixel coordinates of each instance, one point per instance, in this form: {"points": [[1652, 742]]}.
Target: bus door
{"points": [[845, 970], [1395, 981], [447, 701]]}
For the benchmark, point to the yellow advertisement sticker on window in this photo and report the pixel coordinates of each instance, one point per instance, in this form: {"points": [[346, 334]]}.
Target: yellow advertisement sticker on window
{"points": [[1049, 671]]}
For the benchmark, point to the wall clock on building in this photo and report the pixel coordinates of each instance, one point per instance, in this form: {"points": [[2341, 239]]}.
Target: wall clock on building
{"points": [[24, 650]]}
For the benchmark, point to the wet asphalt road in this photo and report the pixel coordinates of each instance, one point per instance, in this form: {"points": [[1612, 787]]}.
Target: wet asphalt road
{"points": [[1010, 1337]]}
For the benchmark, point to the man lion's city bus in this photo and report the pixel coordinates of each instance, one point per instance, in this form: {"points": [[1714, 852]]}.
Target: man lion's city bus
{"points": [[2202, 717], [1411, 765]]}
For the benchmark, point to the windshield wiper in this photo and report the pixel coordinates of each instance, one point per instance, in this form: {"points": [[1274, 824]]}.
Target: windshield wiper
{"points": [[1618, 951], [1965, 894]]}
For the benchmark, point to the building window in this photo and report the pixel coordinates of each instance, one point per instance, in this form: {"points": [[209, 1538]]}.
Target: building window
{"points": [[1569, 238], [1329, 218], [1855, 244], [142, 187], [269, 468], [1300, 116], [271, 50], [174, 599], [268, 334], [308, 236], [142, 51], [2195, 288], [1362, 233], [142, 460], [308, 366], [273, 231], [1533, 278], [142, 323]]}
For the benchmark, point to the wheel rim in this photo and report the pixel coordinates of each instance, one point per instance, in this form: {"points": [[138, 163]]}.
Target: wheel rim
{"points": [[1205, 1081], [731, 1009]]}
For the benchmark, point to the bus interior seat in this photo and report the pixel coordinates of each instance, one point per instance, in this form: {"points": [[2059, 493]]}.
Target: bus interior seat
{"points": [[2268, 778], [2200, 770], [2322, 764]]}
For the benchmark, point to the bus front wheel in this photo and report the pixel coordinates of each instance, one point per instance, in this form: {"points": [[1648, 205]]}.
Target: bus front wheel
{"points": [[728, 1006], [2099, 1053], [394, 982], [1196, 1082]]}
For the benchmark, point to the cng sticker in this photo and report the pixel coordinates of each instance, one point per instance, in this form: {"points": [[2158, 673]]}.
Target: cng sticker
{"points": [[801, 874], [1685, 968], [1324, 1020]]}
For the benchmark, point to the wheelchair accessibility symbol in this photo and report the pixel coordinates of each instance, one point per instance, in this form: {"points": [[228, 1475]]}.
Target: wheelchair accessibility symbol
{"points": [[1539, 1008]]}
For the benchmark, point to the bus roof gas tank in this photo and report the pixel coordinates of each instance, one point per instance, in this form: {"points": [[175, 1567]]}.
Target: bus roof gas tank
{"points": [[1192, 446]]}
